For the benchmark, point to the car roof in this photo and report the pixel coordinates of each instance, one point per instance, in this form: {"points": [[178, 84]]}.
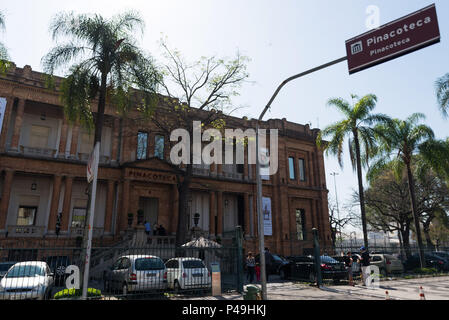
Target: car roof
{"points": [[185, 258], [31, 263], [139, 256]]}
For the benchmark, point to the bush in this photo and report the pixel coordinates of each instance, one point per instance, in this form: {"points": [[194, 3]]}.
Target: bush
{"points": [[76, 293], [425, 270]]}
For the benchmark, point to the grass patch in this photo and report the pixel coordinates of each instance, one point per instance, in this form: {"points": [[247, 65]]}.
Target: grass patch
{"points": [[425, 271], [76, 293]]}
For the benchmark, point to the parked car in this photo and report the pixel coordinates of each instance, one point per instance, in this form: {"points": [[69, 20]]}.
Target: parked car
{"points": [[442, 254], [387, 264], [187, 273], [278, 262], [431, 260], [58, 264], [4, 267], [27, 280], [136, 273], [303, 268]]}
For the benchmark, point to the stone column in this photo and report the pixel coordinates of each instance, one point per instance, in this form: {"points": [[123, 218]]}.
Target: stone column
{"points": [[247, 215], [57, 179], [175, 208], [115, 141], [125, 205], [6, 193], [220, 213], [212, 207], [245, 165], [109, 206], [18, 125], [67, 203], [63, 140], [6, 122], [74, 142]]}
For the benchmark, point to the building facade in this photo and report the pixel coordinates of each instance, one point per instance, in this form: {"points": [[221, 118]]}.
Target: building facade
{"points": [[43, 177]]}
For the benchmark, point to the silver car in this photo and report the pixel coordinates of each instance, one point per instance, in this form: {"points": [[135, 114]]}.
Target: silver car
{"points": [[27, 280], [4, 267], [136, 273]]}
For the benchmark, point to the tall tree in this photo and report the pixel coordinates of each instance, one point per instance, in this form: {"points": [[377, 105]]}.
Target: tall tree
{"points": [[442, 90], [105, 65], [388, 201], [357, 127], [4, 57], [400, 140], [198, 91]]}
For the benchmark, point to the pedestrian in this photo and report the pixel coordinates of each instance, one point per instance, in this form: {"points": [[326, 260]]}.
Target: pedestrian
{"points": [[155, 227], [147, 228], [161, 231], [348, 263], [250, 267], [257, 269], [269, 260], [365, 263]]}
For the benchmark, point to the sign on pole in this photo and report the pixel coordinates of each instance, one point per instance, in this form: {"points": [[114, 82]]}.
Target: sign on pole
{"points": [[392, 40]]}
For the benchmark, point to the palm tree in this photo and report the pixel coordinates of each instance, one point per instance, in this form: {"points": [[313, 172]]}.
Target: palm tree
{"points": [[106, 64], [357, 126], [442, 89], [400, 141], [3, 52]]}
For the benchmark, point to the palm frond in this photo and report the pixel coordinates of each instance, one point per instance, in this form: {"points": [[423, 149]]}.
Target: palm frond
{"points": [[442, 91]]}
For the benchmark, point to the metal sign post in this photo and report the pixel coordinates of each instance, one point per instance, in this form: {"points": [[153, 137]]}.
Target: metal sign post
{"points": [[92, 175]]}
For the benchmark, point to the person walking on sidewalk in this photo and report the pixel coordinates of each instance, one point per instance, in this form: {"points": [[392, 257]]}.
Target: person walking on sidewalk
{"points": [[269, 261], [365, 263], [348, 263], [250, 267]]}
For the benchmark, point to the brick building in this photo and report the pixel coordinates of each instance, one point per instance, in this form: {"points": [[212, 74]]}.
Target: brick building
{"points": [[43, 173]]}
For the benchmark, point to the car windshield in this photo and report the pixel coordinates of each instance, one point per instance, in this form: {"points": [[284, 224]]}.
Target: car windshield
{"points": [[25, 271], [193, 264], [327, 259], [5, 266], [143, 264]]}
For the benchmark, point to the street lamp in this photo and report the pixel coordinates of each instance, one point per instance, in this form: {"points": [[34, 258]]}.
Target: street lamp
{"points": [[259, 180]]}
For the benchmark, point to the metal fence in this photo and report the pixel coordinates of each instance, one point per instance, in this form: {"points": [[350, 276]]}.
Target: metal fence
{"points": [[153, 269]]}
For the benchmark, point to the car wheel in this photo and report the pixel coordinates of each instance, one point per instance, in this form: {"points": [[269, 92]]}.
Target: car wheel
{"points": [[176, 286], [312, 277], [282, 274], [107, 286]]}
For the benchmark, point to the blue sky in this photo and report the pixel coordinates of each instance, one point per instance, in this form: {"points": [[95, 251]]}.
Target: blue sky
{"points": [[282, 38]]}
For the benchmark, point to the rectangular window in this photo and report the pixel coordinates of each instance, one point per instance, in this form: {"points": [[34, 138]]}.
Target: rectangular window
{"points": [[302, 169], [78, 217], [26, 216], [87, 143], [142, 145], [39, 136], [291, 166], [300, 224], [159, 144]]}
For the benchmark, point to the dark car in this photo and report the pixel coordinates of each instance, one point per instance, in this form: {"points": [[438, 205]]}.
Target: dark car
{"points": [[4, 267], [431, 260], [303, 268], [278, 262], [58, 264]]}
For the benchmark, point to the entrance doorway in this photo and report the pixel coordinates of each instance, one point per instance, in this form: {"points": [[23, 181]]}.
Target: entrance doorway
{"points": [[150, 207]]}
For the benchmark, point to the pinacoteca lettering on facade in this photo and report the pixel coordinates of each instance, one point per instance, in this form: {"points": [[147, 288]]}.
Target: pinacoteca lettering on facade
{"points": [[151, 176], [397, 38]]}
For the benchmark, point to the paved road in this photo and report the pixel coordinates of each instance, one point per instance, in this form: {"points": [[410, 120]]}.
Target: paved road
{"points": [[435, 288]]}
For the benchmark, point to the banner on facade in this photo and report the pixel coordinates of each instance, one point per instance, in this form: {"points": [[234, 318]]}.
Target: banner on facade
{"points": [[2, 112], [267, 218]]}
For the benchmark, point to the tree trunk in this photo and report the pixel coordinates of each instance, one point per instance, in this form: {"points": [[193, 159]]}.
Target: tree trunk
{"points": [[405, 234], [100, 111], [411, 185], [184, 192], [361, 191]]}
